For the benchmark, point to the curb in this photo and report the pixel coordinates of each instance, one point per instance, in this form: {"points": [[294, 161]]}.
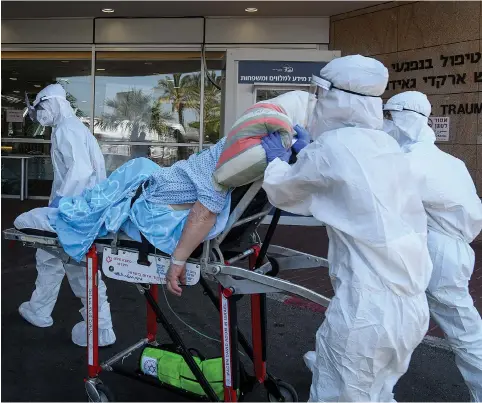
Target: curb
{"points": [[431, 341]]}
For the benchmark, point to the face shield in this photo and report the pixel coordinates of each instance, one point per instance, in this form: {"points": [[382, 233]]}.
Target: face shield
{"points": [[318, 90], [38, 111]]}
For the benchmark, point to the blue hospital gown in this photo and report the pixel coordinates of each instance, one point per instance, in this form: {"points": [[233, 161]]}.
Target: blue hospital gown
{"points": [[107, 207], [186, 181]]}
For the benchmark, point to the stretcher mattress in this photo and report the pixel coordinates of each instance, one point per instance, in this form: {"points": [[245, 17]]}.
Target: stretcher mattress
{"points": [[36, 222]]}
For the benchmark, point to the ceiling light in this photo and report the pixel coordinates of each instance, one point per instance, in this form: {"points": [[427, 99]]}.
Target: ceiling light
{"points": [[251, 9], [100, 69], [16, 92], [13, 78], [65, 61], [107, 10], [148, 63], [37, 85]]}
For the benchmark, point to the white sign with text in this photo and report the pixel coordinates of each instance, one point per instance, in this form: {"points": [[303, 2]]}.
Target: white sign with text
{"points": [[124, 267], [14, 116], [441, 127]]}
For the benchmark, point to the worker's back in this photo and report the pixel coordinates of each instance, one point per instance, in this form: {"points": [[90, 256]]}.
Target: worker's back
{"points": [[76, 157], [449, 195], [373, 207]]}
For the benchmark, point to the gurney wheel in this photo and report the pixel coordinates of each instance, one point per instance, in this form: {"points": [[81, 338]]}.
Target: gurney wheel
{"points": [[287, 391], [105, 394]]}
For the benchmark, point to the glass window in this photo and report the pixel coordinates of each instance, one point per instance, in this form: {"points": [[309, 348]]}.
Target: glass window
{"points": [[212, 97], [144, 99], [29, 72]]}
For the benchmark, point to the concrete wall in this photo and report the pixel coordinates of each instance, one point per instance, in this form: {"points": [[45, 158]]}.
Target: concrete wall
{"points": [[433, 47]]}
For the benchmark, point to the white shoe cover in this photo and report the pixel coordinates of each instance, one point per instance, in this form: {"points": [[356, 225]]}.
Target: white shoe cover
{"points": [[310, 358], [39, 321], [79, 335]]}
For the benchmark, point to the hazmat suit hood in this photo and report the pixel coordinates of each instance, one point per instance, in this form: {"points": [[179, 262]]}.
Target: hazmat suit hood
{"points": [[353, 99], [409, 119], [55, 107]]}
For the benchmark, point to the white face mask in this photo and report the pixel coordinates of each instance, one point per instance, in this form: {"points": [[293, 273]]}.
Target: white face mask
{"points": [[390, 128], [45, 118]]}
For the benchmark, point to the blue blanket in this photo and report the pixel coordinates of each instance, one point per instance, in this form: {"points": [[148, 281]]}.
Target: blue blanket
{"points": [[107, 208]]}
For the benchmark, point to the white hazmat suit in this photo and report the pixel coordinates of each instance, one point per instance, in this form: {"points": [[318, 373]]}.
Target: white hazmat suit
{"points": [[78, 164], [454, 214], [353, 178]]}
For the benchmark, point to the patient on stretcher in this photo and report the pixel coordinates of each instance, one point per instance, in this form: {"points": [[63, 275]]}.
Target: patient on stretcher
{"points": [[174, 208], [159, 213]]}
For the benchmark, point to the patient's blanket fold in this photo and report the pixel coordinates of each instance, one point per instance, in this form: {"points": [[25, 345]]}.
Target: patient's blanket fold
{"points": [[107, 208]]}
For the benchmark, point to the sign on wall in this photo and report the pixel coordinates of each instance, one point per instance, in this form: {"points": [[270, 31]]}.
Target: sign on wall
{"points": [[14, 115], [273, 72], [437, 70], [441, 127]]}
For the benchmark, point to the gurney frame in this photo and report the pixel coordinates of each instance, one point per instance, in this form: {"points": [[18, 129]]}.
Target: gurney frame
{"points": [[216, 263]]}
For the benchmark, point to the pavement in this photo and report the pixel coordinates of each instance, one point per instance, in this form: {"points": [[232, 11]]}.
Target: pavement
{"points": [[44, 365], [314, 240]]}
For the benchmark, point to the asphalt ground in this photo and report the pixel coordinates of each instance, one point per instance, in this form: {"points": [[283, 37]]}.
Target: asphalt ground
{"points": [[44, 365]]}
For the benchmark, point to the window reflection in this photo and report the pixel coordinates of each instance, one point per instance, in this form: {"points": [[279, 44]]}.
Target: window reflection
{"points": [[117, 154], [147, 97], [212, 97], [30, 72], [142, 96]]}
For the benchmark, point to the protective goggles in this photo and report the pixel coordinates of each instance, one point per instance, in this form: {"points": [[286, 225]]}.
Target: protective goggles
{"points": [[397, 108], [319, 86], [37, 106]]}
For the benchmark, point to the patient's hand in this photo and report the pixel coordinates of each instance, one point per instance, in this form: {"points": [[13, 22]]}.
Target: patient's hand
{"points": [[176, 274]]}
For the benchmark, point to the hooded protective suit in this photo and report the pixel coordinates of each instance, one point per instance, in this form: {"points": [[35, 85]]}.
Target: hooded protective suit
{"points": [[454, 214], [78, 164], [350, 178]]}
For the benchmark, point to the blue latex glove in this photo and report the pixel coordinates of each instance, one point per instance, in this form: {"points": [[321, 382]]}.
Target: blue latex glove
{"points": [[274, 148], [303, 139], [55, 202]]}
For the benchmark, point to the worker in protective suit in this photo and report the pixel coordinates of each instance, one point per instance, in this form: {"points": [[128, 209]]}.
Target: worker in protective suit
{"points": [[353, 178], [78, 164], [454, 214]]}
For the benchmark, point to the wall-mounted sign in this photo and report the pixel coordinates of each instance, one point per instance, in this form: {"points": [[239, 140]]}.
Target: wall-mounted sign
{"points": [[14, 115], [441, 127], [272, 72]]}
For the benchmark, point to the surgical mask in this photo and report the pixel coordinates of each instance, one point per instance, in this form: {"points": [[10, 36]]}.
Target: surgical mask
{"points": [[38, 113], [44, 118]]}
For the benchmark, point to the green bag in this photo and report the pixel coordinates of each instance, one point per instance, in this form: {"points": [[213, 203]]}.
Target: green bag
{"points": [[170, 368]]}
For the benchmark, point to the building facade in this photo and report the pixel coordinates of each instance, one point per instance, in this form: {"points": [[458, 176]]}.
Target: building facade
{"points": [[434, 47], [140, 84]]}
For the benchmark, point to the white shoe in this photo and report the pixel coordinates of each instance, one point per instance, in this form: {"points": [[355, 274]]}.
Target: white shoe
{"points": [[79, 335], [39, 321]]}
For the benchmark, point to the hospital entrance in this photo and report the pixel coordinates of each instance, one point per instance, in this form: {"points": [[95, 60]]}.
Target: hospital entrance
{"points": [[155, 83]]}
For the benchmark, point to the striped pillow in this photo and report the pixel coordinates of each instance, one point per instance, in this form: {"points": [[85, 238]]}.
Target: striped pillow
{"points": [[243, 159]]}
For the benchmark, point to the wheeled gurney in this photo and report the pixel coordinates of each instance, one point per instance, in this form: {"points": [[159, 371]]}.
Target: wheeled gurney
{"points": [[121, 258]]}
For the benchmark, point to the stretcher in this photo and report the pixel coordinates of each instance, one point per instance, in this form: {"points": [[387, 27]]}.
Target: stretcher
{"points": [[121, 258]]}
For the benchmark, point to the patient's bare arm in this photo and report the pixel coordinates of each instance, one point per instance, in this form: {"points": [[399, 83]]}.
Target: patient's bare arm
{"points": [[199, 222]]}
